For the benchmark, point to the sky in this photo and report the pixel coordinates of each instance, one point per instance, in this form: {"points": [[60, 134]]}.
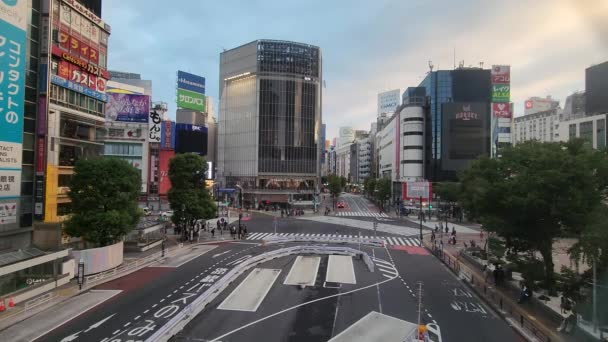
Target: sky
{"points": [[367, 46]]}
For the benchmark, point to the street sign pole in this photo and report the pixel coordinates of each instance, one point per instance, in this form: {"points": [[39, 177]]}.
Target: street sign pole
{"points": [[421, 213]]}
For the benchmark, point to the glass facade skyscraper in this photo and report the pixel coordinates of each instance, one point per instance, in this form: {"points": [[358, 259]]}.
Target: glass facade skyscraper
{"points": [[470, 87], [269, 139]]}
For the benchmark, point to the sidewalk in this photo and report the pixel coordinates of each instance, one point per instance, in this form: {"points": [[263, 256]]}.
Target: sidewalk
{"points": [[529, 316]]}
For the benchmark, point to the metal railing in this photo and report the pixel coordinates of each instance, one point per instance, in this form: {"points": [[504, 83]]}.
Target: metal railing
{"points": [[500, 302], [180, 320]]}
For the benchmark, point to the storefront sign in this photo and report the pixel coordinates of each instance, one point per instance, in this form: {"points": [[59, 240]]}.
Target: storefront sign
{"points": [[62, 82], [501, 92], [8, 213], [154, 127], [87, 14], [93, 56], [13, 23], [40, 152], [466, 114], [501, 110]]}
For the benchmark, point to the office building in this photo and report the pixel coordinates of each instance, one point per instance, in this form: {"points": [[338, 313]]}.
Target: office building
{"points": [[574, 107], [269, 135], [591, 128], [388, 102], [596, 89], [540, 126], [133, 79], [364, 158]]}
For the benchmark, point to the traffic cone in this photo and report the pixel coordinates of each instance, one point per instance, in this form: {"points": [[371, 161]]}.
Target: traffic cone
{"points": [[11, 303], [2, 308]]}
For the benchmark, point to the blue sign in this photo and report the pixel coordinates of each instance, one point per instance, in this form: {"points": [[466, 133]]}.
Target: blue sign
{"points": [[12, 83], [42, 78], [62, 82], [190, 82], [167, 135], [226, 190]]}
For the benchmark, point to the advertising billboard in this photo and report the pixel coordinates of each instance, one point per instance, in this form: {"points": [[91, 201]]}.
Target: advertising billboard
{"points": [[154, 126], [501, 93], [190, 82], [191, 139], [501, 74], [164, 184], [167, 137], [13, 24], [190, 100], [388, 101], [465, 132], [128, 108], [501, 110], [416, 190]]}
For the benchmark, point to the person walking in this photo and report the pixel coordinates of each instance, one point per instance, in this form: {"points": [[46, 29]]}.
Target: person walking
{"points": [[432, 236], [447, 230], [213, 232]]}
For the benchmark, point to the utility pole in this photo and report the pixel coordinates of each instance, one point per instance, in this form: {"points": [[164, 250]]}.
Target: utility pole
{"points": [[595, 322], [421, 213]]}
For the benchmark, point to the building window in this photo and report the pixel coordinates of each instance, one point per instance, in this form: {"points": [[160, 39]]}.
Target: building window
{"points": [[601, 134], [586, 131], [572, 131]]}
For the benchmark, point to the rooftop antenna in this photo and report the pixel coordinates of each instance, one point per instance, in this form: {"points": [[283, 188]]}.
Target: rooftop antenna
{"points": [[431, 65], [481, 65], [454, 57]]}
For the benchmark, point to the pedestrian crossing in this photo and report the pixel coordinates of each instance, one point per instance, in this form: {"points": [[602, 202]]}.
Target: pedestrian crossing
{"points": [[361, 214], [388, 240]]}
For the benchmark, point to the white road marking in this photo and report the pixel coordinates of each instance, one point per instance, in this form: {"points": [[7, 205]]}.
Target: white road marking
{"points": [[303, 272], [340, 269], [251, 292]]}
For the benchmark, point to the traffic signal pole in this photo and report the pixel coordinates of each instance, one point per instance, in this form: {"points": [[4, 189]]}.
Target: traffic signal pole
{"points": [[421, 213]]}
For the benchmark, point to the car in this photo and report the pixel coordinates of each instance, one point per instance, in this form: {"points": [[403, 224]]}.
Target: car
{"points": [[340, 205], [166, 214], [147, 211]]}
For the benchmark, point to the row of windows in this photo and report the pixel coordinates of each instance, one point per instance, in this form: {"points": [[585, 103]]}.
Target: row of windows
{"points": [[123, 149], [74, 100]]}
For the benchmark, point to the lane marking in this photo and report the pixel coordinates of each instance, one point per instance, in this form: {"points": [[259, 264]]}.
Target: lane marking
{"points": [[251, 292]]}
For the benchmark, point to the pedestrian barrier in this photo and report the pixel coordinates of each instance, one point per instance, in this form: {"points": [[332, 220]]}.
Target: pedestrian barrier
{"points": [[374, 242], [505, 305], [180, 320]]}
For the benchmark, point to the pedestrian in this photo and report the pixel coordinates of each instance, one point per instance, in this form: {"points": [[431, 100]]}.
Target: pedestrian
{"points": [[240, 232], [525, 294], [495, 275], [244, 231], [432, 236], [213, 232], [446, 229], [453, 231]]}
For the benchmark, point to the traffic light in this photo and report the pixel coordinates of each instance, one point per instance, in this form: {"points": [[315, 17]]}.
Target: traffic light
{"points": [[430, 206]]}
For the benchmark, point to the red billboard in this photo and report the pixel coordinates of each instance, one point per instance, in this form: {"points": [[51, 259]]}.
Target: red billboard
{"points": [[501, 74], [501, 110], [163, 171]]}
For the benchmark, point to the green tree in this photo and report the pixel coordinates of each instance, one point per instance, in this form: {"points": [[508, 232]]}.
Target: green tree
{"points": [[343, 181], [188, 197], [335, 187], [370, 186], [447, 191], [104, 194], [534, 193], [383, 190]]}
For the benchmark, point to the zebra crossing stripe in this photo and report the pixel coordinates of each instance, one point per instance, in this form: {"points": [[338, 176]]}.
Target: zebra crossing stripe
{"points": [[392, 272], [380, 261], [400, 241], [253, 236]]}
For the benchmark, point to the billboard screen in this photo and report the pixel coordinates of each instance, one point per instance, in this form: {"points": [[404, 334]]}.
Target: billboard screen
{"points": [[471, 85], [191, 139], [415, 190], [501, 74], [190, 82], [465, 133], [128, 108], [164, 184], [167, 137], [190, 100], [13, 22]]}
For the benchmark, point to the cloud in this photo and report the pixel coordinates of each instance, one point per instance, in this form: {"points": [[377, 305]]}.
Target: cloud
{"points": [[367, 47]]}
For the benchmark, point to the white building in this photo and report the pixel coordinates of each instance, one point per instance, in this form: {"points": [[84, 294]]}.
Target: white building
{"points": [[540, 126], [387, 166], [412, 144], [364, 158], [592, 128]]}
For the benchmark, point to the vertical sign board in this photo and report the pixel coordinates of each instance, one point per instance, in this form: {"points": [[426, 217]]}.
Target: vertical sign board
{"points": [[501, 109], [191, 91], [154, 126], [13, 25], [164, 184]]}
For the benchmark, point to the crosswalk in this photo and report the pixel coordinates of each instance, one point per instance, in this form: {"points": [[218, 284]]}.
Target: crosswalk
{"points": [[388, 240], [361, 214]]}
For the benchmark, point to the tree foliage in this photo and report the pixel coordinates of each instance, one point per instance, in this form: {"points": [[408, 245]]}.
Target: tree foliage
{"points": [[383, 190], [335, 185], [447, 191], [536, 192], [370, 186], [188, 197], [104, 194]]}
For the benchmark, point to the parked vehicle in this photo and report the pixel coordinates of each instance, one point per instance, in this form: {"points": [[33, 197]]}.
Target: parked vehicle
{"points": [[166, 214]]}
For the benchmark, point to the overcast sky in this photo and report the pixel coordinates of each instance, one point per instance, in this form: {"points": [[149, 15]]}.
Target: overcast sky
{"points": [[367, 46]]}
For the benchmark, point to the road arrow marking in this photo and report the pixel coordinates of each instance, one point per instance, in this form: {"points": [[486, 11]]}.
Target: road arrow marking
{"points": [[71, 337], [96, 325], [217, 255]]}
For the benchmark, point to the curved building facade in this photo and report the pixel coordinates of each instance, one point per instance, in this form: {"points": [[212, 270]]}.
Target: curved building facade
{"points": [[269, 140], [412, 143]]}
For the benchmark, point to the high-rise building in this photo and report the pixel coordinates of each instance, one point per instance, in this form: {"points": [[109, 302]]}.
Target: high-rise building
{"points": [[270, 121], [574, 107], [457, 124], [596, 89], [592, 128], [388, 101]]}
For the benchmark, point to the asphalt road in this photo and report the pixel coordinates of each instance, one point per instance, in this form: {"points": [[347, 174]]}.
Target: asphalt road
{"points": [[151, 296]]}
